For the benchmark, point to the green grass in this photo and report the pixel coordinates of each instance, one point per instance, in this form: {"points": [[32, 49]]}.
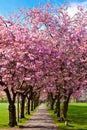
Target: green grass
{"points": [[4, 117], [77, 116], [24, 120]]}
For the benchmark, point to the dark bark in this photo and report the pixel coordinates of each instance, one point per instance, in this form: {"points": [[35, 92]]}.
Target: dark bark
{"points": [[12, 110], [12, 115], [22, 105], [35, 100], [32, 100], [57, 109], [35, 103], [65, 107], [27, 92], [18, 107], [51, 100], [32, 104], [28, 106], [52, 105], [64, 110]]}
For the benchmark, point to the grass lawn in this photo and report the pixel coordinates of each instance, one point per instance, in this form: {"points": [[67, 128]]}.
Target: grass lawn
{"points": [[4, 117], [77, 115]]}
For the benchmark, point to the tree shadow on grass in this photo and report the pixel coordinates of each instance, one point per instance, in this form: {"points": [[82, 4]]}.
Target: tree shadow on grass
{"points": [[70, 125], [39, 127], [4, 125]]}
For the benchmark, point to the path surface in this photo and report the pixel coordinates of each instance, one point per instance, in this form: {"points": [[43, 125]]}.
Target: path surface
{"points": [[41, 120]]}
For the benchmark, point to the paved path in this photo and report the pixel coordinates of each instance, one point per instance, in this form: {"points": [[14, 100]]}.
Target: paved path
{"points": [[40, 120]]}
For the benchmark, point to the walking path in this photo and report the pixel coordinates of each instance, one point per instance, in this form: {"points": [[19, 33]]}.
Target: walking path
{"points": [[41, 120]]}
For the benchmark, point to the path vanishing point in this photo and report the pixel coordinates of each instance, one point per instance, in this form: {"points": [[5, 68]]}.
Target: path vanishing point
{"points": [[41, 120]]}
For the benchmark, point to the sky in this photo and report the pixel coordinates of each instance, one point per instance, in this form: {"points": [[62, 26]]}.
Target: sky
{"points": [[8, 7]]}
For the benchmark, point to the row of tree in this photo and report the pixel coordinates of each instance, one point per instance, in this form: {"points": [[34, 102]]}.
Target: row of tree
{"points": [[43, 48]]}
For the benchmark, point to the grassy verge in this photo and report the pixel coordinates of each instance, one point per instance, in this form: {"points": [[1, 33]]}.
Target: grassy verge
{"points": [[77, 115], [22, 122], [4, 117]]}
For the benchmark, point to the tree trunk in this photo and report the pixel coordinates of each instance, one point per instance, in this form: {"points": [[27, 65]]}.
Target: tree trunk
{"points": [[32, 105], [28, 107], [12, 115], [12, 110], [65, 107], [22, 105], [52, 101], [64, 110], [36, 102], [18, 107], [52, 104], [57, 109]]}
